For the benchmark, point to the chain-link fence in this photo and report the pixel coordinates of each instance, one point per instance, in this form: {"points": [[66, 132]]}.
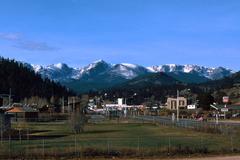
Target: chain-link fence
{"points": [[117, 147], [33, 143], [228, 129]]}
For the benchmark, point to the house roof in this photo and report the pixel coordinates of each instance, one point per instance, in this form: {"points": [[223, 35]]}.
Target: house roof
{"points": [[22, 109], [5, 108], [16, 110]]}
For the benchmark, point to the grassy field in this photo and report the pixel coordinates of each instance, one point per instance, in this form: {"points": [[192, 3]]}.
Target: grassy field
{"points": [[110, 137]]}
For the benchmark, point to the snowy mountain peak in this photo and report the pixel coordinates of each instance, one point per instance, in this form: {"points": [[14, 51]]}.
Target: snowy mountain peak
{"points": [[62, 72], [99, 62], [60, 65], [36, 68], [208, 72], [95, 64], [129, 65]]}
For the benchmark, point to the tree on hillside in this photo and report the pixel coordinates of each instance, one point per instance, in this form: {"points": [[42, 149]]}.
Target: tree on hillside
{"points": [[35, 100], [205, 99], [25, 83], [219, 96]]}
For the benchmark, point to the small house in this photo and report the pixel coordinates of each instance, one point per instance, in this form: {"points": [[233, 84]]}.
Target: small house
{"points": [[23, 112]]}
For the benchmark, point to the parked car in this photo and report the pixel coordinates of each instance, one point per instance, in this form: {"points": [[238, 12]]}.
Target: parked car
{"points": [[236, 115]]}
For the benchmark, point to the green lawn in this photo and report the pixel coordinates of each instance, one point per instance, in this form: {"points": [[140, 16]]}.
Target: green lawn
{"points": [[117, 136]]}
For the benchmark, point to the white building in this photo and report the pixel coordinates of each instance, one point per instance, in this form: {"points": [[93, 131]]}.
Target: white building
{"points": [[173, 102], [192, 106]]}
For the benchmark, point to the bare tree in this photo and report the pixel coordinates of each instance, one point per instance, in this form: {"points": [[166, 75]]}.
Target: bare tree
{"points": [[78, 118], [35, 100]]}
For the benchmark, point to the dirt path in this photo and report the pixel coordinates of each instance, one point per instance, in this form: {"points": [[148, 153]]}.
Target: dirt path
{"points": [[212, 158], [205, 158]]}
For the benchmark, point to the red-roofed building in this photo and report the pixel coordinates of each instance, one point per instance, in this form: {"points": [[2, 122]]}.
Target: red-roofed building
{"points": [[21, 112]]}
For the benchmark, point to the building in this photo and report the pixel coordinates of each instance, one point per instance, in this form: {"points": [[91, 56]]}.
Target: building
{"points": [[172, 103], [192, 106], [120, 101], [22, 112]]}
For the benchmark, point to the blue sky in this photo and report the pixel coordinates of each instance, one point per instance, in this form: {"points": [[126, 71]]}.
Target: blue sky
{"points": [[146, 32]]}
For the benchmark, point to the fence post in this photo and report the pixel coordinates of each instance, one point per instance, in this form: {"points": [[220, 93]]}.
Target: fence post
{"points": [[138, 145], [1, 136], [43, 148], [232, 144], [108, 147], [81, 151], [27, 146], [75, 145], [28, 135], [1, 132], [20, 138], [169, 146], [9, 149]]}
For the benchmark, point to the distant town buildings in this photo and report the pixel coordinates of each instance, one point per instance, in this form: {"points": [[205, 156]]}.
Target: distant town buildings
{"points": [[173, 102]]}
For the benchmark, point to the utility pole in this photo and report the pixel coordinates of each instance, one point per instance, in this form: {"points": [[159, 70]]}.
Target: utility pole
{"points": [[63, 108], [177, 105], [125, 110], [68, 105], [9, 96], [73, 104]]}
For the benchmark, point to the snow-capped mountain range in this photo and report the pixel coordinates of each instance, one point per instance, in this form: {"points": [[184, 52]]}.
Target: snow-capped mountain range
{"points": [[101, 75], [62, 72]]}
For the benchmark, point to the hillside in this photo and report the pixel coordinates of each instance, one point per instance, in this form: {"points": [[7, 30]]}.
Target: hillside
{"points": [[151, 79], [227, 82], [190, 78], [24, 82], [162, 85], [228, 86]]}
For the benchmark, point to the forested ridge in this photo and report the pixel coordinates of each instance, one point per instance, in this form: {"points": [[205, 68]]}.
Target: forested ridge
{"points": [[25, 83]]}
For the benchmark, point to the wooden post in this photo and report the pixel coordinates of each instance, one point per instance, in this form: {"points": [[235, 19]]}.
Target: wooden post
{"points": [[75, 145], [20, 138], [43, 148], [138, 144], [9, 142], [169, 146], [108, 147], [1, 136]]}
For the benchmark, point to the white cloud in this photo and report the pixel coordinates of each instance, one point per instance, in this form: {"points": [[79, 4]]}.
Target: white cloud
{"points": [[25, 44], [34, 46], [10, 36]]}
